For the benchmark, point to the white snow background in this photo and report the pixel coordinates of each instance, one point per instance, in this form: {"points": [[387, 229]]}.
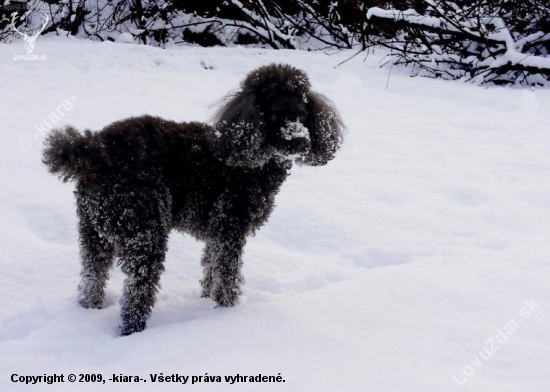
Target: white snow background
{"points": [[386, 270]]}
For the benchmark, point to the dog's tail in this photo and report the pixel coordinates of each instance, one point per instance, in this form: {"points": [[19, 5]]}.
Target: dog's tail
{"points": [[71, 154]]}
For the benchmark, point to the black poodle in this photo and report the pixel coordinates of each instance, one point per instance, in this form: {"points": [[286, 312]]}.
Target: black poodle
{"points": [[139, 178]]}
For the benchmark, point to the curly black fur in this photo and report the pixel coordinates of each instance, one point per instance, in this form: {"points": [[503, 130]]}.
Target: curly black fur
{"points": [[139, 178]]}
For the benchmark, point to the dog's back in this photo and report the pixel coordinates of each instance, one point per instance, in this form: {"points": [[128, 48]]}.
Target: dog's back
{"points": [[123, 148]]}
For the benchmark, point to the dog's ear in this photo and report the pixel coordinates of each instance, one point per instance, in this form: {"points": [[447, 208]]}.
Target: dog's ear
{"points": [[238, 127], [325, 129]]}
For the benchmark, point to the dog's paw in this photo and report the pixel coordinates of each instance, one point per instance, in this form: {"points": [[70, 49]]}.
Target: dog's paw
{"points": [[226, 297], [90, 304], [131, 328], [206, 64]]}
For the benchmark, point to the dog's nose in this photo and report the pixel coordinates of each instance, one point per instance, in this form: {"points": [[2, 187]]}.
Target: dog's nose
{"points": [[295, 146], [301, 144]]}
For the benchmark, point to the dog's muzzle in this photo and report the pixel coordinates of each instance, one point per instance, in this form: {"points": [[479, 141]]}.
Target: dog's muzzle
{"points": [[294, 138]]}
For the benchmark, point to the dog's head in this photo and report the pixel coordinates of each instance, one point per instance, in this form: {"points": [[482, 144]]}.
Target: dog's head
{"points": [[275, 114]]}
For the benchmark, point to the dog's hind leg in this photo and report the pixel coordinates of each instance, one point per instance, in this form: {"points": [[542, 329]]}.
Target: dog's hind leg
{"points": [[143, 264], [143, 242], [97, 255], [206, 262]]}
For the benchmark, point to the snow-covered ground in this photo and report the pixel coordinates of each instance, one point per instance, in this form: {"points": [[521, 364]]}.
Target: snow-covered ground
{"points": [[391, 269]]}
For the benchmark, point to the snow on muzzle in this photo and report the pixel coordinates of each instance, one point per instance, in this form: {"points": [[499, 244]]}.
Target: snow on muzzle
{"points": [[294, 139]]}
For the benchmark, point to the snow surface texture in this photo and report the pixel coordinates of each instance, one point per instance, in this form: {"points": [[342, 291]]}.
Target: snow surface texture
{"points": [[387, 270]]}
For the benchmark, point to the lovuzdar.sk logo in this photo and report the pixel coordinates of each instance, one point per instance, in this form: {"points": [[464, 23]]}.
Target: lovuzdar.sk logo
{"points": [[29, 41]]}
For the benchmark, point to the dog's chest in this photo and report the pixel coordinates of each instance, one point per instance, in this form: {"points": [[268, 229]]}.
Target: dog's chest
{"points": [[243, 194]]}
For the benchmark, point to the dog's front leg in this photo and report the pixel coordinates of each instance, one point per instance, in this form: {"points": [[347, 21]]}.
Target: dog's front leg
{"points": [[222, 261]]}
